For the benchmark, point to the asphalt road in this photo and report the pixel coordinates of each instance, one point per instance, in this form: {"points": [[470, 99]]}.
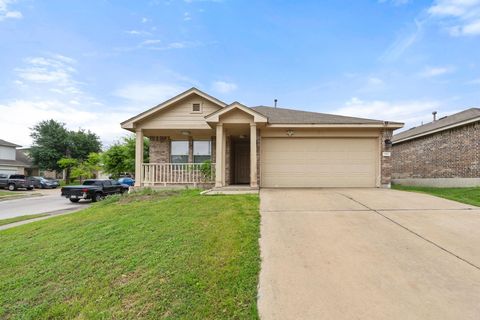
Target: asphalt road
{"points": [[51, 201]]}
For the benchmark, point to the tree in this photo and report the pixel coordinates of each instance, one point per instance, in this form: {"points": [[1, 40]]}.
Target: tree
{"points": [[50, 142], [120, 157], [82, 143], [88, 168], [67, 164]]}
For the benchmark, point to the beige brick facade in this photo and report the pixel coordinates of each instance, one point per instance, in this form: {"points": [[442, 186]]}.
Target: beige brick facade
{"points": [[453, 153], [386, 161], [159, 149]]}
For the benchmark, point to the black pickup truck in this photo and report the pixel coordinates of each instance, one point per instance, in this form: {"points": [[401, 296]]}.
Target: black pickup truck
{"points": [[14, 182], [93, 189]]}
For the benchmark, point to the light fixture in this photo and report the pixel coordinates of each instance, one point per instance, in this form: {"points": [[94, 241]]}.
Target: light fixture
{"points": [[186, 133], [242, 136], [290, 132], [388, 143]]}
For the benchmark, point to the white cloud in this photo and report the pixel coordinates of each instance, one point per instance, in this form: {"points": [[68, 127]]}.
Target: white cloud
{"points": [[138, 33], [224, 87], [187, 16], [156, 45], [461, 16], [6, 13], [430, 72], [148, 94], [25, 114], [403, 43], [412, 113], [55, 69], [150, 42], [49, 89], [145, 20]]}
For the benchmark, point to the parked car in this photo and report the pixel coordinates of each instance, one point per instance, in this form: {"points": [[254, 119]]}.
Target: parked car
{"points": [[44, 183], [93, 189], [127, 180], [53, 182], [15, 181]]}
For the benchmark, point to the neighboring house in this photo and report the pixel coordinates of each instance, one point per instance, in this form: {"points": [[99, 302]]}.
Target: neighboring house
{"points": [[442, 153], [259, 146], [15, 161]]}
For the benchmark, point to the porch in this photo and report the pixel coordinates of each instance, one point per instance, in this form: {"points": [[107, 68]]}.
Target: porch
{"points": [[226, 156]]}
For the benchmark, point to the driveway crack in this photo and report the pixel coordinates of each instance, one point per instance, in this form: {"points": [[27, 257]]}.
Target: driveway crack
{"points": [[412, 232]]}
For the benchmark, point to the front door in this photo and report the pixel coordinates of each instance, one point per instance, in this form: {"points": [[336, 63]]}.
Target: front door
{"points": [[241, 162]]}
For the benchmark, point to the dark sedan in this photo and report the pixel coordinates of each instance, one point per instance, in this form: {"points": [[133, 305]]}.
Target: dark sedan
{"points": [[44, 183]]}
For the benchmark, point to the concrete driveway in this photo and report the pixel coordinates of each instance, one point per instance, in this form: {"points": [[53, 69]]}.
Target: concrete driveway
{"points": [[367, 254]]}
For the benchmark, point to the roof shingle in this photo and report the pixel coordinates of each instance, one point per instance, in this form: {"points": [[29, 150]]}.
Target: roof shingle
{"points": [[8, 144], [289, 116], [444, 122]]}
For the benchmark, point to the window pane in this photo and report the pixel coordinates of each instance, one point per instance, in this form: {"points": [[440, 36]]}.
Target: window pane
{"points": [[179, 148], [179, 159], [202, 148], [201, 159]]}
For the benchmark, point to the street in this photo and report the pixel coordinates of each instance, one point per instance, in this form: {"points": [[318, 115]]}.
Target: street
{"points": [[50, 201]]}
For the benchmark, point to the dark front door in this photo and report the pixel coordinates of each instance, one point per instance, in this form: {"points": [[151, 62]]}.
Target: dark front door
{"points": [[241, 162]]}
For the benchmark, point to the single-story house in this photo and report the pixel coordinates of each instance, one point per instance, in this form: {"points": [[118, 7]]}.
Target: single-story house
{"points": [[442, 153], [258, 146], [15, 161]]}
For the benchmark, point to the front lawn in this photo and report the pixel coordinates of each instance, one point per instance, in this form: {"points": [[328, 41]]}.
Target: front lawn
{"points": [[465, 195], [174, 255]]}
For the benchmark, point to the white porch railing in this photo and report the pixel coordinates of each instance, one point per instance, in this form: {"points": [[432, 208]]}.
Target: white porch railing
{"points": [[177, 173]]}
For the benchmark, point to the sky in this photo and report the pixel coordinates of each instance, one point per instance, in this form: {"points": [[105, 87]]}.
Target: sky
{"points": [[94, 63]]}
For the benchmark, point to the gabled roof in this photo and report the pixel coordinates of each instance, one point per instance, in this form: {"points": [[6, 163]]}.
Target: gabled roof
{"points": [[8, 144], [445, 123], [167, 103], [290, 116], [24, 158], [257, 117]]}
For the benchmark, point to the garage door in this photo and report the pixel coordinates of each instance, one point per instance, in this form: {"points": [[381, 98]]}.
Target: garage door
{"points": [[318, 162]]}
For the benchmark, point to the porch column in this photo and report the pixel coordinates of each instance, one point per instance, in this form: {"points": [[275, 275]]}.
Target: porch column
{"points": [[253, 155], [219, 157], [138, 157]]}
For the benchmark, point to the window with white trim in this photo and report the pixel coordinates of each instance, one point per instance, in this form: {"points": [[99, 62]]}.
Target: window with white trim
{"points": [[179, 151], [202, 151]]}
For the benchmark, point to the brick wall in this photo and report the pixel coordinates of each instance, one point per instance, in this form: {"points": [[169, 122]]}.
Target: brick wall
{"points": [[159, 149], [386, 162], [452, 153]]}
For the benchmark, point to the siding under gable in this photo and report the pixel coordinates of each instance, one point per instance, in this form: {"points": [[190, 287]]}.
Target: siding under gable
{"points": [[180, 115]]}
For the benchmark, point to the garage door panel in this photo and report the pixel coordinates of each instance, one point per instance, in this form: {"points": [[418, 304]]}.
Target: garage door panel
{"points": [[318, 162]]}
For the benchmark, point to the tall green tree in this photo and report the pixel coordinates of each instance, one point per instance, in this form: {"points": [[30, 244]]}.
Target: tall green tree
{"points": [[50, 144], [81, 143], [120, 157], [52, 141]]}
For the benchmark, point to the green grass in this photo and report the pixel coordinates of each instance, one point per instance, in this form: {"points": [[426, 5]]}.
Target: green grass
{"points": [[149, 255], [465, 195], [21, 218], [8, 194]]}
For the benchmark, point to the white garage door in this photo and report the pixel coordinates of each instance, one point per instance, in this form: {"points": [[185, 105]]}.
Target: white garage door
{"points": [[319, 162]]}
